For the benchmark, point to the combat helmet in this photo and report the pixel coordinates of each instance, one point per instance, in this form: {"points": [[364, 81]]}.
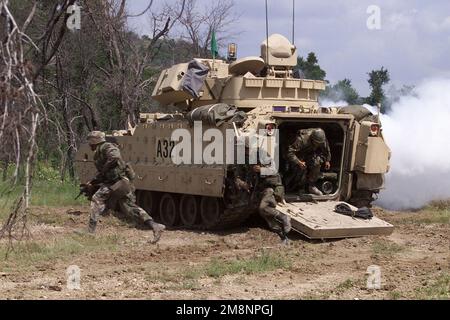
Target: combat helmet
{"points": [[318, 136], [96, 137]]}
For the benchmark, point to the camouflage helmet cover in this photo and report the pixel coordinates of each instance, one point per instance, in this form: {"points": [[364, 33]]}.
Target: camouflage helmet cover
{"points": [[96, 137], [318, 136]]}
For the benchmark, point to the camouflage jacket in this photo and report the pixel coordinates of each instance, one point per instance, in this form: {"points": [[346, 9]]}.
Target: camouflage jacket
{"points": [[302, 148], [109, 163]]}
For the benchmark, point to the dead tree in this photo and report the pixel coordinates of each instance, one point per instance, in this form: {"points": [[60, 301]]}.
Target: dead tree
{"points": [[127, 58], [21, 108], [200, 23]]}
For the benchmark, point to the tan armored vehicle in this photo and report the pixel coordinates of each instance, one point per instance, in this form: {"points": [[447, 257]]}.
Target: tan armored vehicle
{"points": [[220, 102]]}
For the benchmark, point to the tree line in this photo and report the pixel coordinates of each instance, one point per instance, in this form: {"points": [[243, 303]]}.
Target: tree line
{"points": [[57, 84], [343, 90]]}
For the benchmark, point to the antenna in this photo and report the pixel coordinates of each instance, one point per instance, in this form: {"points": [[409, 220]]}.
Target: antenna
{"points": [[293, 21], [267, 35]]}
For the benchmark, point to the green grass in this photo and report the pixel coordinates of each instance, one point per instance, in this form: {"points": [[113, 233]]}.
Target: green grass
{"points": [[436, 212], [437, 289], [345, 285], [29, 253], [44, 193], [385, 247], [256, 264], [187, 279]]}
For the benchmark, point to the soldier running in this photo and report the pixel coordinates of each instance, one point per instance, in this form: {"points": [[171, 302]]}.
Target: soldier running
{"points": [[307, 154], [114, 186]]}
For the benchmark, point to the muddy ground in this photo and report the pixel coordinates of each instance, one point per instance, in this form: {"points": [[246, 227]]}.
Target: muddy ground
{"points": [[243, 263]]}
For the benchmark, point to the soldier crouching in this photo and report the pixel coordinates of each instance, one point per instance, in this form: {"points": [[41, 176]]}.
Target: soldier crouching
{"points": [[113, 181], [270, 192], [306, 156]]}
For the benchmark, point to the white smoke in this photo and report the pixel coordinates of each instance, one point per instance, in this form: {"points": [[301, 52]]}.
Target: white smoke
{"points": [[326, 103], [418, 132]]}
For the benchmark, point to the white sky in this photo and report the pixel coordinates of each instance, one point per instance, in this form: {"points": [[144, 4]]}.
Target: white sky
{"points": [[413, 43]]}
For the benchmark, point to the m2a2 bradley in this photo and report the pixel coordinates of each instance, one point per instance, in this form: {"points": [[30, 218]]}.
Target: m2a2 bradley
{"points": [[247, 96]]}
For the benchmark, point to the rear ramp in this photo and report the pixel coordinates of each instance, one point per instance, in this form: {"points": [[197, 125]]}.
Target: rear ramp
{"points": [[319, 221]]}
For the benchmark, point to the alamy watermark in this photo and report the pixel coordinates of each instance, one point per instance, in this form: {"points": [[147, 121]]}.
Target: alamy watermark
{"points": [[216, 147], [74, 20], [374, 19], [374, 278], [73, 274]]}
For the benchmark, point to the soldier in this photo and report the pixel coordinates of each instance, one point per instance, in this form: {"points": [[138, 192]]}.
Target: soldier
{"points": [[270, 191], [266, 192], [113, 181], [307, 154]]}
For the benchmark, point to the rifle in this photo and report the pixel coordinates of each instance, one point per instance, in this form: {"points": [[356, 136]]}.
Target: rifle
{"points": [[88, 190]]}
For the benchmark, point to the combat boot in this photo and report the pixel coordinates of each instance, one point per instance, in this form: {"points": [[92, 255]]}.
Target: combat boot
{"points": [[286, 220], [314, 191], [157, 229], [91, 227], [284, 239]]}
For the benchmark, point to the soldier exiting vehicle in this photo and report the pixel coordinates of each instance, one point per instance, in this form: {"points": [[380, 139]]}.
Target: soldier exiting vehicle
{"points": [[114, 186], [306, 155]]}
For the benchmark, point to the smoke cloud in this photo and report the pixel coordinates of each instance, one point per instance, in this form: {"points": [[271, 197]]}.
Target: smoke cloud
{"points": [[417, 129], [326, 103]]}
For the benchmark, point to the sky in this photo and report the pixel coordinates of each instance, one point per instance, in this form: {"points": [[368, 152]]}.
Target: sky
{"points": [[413, 41]]}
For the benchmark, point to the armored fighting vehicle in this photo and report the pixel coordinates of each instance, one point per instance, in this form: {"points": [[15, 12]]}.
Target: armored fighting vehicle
{"points": [[186, 168]]}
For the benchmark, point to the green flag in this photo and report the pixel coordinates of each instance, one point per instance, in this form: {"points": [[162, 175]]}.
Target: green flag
{"points": [[214, 50]]}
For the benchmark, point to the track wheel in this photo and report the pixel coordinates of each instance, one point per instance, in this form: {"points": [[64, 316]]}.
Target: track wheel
{"points": [[148, 202], [210, 211], [169, 210], [189, 210]]}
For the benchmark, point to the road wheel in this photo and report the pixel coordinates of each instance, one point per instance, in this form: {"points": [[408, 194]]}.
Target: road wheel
{"points": [[138, 194], [189, 210], [148, 202], [210, 211], [169, 210]]}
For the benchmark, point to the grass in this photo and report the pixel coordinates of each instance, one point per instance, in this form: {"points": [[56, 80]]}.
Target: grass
{"points": [[436, 212], [437, 289], [385, 247], [256, 264], [44, 193], [187, 279], [29, 253], [315, 296], [394, 295], [344, 286]]}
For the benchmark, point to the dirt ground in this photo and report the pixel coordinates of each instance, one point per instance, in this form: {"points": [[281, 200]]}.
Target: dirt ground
{"points": [[244, 263]]}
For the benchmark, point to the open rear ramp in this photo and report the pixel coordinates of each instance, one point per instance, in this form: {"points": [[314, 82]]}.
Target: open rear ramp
{"points": [[319, 221]]}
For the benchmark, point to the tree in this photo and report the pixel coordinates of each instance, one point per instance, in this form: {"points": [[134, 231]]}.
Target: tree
{"points": [[24, 57], [199, 25], [128, 58], [341, 91], [377, 79], [310, 67]]}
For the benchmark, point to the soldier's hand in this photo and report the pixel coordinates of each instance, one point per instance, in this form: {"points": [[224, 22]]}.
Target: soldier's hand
{"points": [[256, 168], [242, 185], [302, 164], [327, 165]]}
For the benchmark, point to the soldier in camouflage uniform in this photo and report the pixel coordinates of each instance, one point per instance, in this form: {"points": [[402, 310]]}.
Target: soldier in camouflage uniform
{"points": [[114, 185], [269, 190], [306, 156], [266, 192]]}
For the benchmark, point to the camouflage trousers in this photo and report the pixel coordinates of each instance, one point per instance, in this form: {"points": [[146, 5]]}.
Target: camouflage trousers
{"points": [[267, 210], [101, 201]]}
